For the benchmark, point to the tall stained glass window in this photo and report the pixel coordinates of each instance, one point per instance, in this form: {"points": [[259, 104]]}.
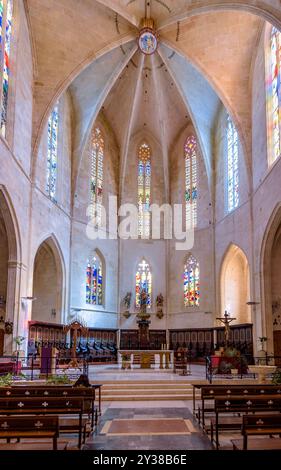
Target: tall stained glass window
{"points": [[94, 281], [190, 149], [191, 282], [52, 158], [144, 191], [97, 154], [143, 282], [274, 95], [232, 166], [6, 19]]}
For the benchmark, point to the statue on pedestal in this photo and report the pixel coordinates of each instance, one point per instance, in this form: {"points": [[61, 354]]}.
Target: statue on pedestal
{"points": [[127, 303], [143, 305], [159, 305]]}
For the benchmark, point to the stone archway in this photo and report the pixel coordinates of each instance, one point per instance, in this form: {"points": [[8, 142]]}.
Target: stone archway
{"points": [[235, 285], [10, 265], [271, 283], [48, 284]]}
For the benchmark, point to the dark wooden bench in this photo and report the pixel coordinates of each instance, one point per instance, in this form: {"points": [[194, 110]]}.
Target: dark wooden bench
{"points": [[259, 425], [55, 391], [209, 392], [18, 427], [45, 406], [243, 405]]}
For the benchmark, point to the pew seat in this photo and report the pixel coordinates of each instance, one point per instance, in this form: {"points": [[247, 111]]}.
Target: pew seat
{"points": [[40, 444], [265, 443]]}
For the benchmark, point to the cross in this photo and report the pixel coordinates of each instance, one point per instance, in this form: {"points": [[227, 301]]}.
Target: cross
{"points": [[45, 404], [38, 424], [4, 425], [226, 320], [20, 404]]}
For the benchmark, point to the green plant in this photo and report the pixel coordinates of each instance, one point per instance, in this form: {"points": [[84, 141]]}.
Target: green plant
{"points": [[6, 380], [276, 377], [19, 340], [59, 379]]}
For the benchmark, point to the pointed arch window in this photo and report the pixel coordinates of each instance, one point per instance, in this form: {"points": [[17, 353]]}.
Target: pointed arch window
{"points": [[232, 166], [144, 191], [191, 282], [52, 158], [190, 149], [143, 282], [6, 21], [94, 281], [96, 183], [274, 96]]}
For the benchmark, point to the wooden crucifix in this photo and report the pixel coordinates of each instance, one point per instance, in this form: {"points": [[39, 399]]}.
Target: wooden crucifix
{"points": [[75, 326], [226, 320]]}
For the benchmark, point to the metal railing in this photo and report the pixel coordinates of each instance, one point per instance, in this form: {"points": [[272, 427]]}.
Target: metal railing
{"points": [[236, 367], [34, 367]]}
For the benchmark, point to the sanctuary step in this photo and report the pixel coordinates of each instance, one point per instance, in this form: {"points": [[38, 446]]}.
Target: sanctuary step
{"points": [[147, 390]]}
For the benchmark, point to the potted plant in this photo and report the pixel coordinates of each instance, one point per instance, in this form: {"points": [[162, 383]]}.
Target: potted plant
{"points": [[276, 377], [19, 341], [6, 380]]}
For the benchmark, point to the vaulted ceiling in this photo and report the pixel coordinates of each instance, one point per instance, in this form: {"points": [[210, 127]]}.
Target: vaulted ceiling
{"points": [[204, 60]]}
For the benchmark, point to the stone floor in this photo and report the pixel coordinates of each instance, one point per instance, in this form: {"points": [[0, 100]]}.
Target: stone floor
{"points": [[191, 439]]}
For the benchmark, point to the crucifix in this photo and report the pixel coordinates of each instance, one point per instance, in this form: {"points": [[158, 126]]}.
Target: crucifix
{"points": [[226, 320], [75, 326]]}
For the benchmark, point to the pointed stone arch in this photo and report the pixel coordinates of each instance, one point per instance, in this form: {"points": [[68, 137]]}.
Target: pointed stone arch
{"points": [[271, 282], [11, 264], [235, 284], [49, 288]]}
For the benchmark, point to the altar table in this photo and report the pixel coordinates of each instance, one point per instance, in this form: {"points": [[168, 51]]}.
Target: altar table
{"points": [[128, 357]]}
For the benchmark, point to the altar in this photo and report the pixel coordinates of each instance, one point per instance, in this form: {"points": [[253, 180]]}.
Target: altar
{"points": [[162, 359]]}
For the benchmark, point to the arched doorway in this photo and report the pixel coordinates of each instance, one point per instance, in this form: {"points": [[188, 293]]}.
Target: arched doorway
{"points": [[48, 284], [235, 285]]}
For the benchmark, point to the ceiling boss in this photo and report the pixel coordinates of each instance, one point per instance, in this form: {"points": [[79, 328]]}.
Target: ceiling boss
{"points": [[147, 40]]}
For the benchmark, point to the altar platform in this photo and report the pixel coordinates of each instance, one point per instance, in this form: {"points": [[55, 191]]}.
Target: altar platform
{"points": [[146, 359]]}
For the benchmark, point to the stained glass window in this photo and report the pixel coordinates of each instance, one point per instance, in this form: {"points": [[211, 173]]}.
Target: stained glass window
{"points": [[94, 281], [274, 95], [144, 183], [52, 158], [190, 149], [143, 282], [232, 166], [97, 154], [191, 282], [6, 19]]}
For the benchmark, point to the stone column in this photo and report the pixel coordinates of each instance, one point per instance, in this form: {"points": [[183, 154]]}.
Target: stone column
{"points": [[13, 305]]}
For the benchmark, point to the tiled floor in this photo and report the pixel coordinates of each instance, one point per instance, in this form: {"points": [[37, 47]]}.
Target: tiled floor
{"points": [[195, 439]]}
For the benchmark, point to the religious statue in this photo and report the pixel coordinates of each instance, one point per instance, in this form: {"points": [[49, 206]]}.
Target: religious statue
{"points": [[226, 320], [143, 304], [159, 305], [143, 300], [127, 302]]}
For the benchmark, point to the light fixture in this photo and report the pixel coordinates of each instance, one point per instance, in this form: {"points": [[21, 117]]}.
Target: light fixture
{"points": [[147, 40]]}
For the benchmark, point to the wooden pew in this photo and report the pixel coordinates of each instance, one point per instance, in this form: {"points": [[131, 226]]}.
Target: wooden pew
{"points": [[243, 405], [31, 427], [55, 391], [208, 392], [259, 425], [45, 406]]}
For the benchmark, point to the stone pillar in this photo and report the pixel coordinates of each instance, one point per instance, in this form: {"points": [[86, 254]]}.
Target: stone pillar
{"points": [[13, 306]]}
